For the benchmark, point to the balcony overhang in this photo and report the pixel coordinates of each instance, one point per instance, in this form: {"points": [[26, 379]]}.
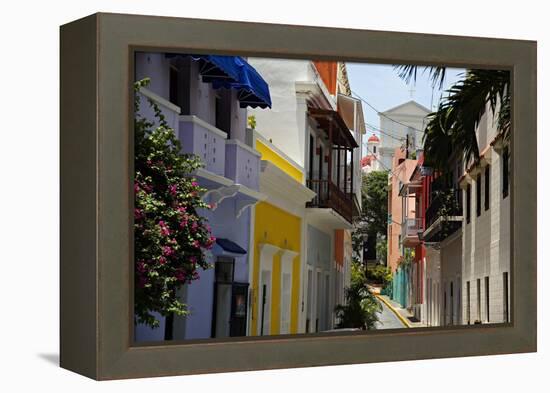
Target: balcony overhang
{"points": [[327, 217], [442, 228], [410, 188], [328, 120], [220, 188], [411, 240]]}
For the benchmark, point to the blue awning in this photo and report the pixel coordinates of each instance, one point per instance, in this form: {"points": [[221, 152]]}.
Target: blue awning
{"points": [[233, 72], [230, 246]]}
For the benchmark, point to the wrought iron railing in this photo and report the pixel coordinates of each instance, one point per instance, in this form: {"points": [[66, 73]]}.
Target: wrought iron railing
{"points": [[444, 203], [414, 226], [330, 196]]}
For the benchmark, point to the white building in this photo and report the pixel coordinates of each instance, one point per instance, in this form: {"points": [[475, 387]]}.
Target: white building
{"points": [[486, 230], [371, 159], [319, 126], [408, 119]]}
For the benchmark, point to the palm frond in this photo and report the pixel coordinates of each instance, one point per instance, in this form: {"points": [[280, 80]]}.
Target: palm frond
{"points": [[453, 127], [409, 73]]}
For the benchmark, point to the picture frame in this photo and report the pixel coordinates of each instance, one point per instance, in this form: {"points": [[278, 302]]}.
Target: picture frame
{"points": [[96, 266]]}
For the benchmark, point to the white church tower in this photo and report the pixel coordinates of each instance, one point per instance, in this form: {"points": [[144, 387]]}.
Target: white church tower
{"points": [[371, 159], [398, 123]]}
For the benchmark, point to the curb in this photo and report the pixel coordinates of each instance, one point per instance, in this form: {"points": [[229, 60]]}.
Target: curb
{"points": [[399, 316]]}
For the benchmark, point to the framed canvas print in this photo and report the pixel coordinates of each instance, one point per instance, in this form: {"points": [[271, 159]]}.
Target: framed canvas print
{"points": [[242, 196]]}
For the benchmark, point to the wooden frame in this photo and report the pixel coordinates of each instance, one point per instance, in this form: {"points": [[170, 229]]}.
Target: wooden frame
{"points": [[96, 196]]}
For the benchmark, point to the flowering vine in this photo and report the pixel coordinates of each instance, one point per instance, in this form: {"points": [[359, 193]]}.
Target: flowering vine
{"points": [[170, 237]]}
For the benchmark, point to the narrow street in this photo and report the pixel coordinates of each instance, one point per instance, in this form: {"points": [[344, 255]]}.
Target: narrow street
{"points": [[388, 319]]}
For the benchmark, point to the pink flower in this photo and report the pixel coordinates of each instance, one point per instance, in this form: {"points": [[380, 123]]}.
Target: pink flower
{"points": [[173, 189], [167, 250], [164, 230], [183, 223], [196, 244], [181, 209], [210, 242], [141, 267], [180, 275], [136, 187], [194, 184], [212, 205], [162, 260], [194, 226], [193, 259]]}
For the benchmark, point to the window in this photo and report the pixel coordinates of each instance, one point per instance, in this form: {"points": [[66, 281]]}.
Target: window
{"points": [[478, 195], [451, 313], [180, 86], [444, 308], [479, 300], [468, 202], [506, 308], [311, 148], [505, 172], [224, 268], [487, 298], [223, 111], [321, 162], [374, 149], [173, 93], [487, 186], [468, 315]]}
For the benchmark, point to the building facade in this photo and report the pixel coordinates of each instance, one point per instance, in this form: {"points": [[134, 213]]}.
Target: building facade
{"points": [[400, 208], [318, 125], [278, 244], [400, 124], [486, 230], [204, 101]]}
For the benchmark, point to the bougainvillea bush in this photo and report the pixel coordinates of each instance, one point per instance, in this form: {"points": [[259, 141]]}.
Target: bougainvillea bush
{"points": [[170, 237]]}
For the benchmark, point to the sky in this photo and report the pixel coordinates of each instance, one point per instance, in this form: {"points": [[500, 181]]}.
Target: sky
{"points": [[381, 86]]}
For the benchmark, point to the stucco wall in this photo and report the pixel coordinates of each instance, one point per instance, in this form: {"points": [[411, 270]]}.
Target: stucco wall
{"points": [[487, 246], [433, 286], [276, 227], [284, 123], [451, 273]]}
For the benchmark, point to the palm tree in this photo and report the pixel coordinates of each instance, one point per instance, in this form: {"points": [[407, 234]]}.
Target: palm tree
{"points": [[451, 129]]}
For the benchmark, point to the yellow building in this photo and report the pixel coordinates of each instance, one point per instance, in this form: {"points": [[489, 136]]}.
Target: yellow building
{"points": [[277, 256]]}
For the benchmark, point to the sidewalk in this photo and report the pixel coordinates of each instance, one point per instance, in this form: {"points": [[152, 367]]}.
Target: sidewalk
{"points": [[402, 313]]}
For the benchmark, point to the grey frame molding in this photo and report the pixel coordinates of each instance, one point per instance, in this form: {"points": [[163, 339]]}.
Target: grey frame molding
{"points": [[96, 196]]}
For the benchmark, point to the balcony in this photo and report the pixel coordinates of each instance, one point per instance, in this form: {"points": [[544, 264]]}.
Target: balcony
{"points": [[206, 141], [413, 227], [330, 196], [443, 215], [242, 164]]}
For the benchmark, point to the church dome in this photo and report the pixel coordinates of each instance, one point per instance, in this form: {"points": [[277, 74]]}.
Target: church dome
{"points": [[373, 138]]}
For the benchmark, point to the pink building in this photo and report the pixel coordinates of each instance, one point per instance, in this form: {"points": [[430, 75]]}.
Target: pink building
{"points": [[402, 168]]}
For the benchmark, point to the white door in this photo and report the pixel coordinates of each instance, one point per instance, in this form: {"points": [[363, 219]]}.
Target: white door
{"points": [[309, 302], [286, 287]]}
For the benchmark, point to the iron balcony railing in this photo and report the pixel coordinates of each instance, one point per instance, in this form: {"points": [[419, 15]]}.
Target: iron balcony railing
{"points": [[330, 196], [414, 226], [444, 203]]}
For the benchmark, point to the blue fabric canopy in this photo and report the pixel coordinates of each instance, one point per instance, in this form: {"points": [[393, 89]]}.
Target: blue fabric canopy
{"points": [[233, 72], [230, 246]]}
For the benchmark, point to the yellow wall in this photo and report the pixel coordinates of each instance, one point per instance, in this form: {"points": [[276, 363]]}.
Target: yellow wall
{"points": [[279, 228], [271, 156]]}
